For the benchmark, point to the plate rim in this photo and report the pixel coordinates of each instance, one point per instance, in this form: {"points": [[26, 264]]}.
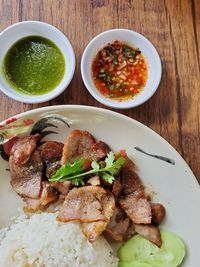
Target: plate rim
{"points": [[114, 113]]}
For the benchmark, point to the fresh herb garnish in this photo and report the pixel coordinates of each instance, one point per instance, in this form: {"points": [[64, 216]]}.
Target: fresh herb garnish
{"points": [[75, 172], [68, 170], [102, 75], [115, 60], [105, 76], [111, 87], [78, 182], [125, 49], [109, 49], [129, 53], [133, 54]]}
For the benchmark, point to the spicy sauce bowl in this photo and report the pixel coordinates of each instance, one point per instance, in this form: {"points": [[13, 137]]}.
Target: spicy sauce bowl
{"points": [[134, 40], [17, 32]]}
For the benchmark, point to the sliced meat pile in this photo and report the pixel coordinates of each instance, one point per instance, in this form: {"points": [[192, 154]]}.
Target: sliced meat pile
{"points": [[91, 205], [132, 199], [82, 145]]}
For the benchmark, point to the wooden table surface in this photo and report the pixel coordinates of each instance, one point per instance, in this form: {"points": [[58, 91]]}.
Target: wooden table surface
{"points": [[172, 26]]}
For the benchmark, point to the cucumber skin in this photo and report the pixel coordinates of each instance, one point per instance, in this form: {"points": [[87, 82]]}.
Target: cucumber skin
{"points": [[133, 264]]}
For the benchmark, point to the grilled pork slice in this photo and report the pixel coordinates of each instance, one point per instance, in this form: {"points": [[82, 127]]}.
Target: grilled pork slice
{"points": [[158, 213], [94, 180], [9, 144], [48, 196], [149, 232], [82, 145], [26, 178], [122, 230], [99, 150], [77, 146], [86, 204], [117, 187], [62, 187], [94, 229], [133, 200], [120, 215], [23, 148], [137, 207], [130, 181], [51, 154]]}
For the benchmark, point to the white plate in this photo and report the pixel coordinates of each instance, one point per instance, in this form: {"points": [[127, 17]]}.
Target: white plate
{"points": [[173, 185]]}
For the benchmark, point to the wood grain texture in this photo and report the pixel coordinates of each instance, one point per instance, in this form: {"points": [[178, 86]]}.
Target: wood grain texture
{"points": [[174, 29]]}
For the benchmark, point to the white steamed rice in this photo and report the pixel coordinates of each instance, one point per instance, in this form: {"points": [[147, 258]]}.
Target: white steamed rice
{"points": [[41, 241]]}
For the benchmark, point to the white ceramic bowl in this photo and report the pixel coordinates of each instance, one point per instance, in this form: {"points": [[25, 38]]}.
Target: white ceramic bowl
{"points": [[133, 39], [26, 28]]}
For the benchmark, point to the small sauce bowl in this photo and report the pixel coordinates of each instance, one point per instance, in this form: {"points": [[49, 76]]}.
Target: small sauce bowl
{"points": [[135, 40], [36, 28]]}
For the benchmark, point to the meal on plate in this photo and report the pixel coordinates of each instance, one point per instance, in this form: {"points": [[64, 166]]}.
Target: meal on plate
{"points": [[119, 71], [99, 199]]}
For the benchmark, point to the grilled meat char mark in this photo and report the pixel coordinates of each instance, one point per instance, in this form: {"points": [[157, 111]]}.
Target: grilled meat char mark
{"points": [[82, 145]]}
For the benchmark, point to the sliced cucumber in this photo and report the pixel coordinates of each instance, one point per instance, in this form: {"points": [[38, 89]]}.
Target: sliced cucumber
{"points": [[140, 250], [133, 264], [172, 250]]}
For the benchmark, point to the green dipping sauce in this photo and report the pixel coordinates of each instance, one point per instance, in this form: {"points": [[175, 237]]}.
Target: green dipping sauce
{"points": [[34, 65]]}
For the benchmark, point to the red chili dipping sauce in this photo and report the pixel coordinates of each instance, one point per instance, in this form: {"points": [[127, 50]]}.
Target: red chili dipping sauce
{"points": [[119, 71]]}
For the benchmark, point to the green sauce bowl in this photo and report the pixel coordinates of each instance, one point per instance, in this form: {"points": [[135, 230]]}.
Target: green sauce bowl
{"points": [[50, 68]]}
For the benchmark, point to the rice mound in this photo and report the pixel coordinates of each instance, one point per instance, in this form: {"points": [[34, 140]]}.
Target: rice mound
{"points": [[41, 241]]}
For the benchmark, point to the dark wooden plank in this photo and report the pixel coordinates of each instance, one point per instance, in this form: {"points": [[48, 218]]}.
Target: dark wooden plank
{"points": [[187, 72]]}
